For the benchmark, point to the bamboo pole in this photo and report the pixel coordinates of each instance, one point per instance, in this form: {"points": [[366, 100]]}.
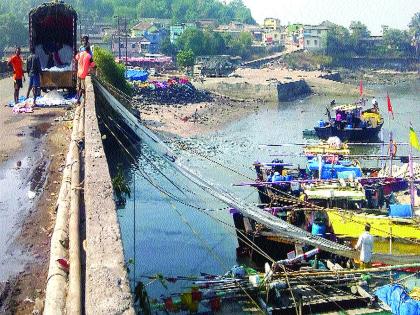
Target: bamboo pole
{"points": [[74, 294], [346, 271], [81, 129], [56, 288]]}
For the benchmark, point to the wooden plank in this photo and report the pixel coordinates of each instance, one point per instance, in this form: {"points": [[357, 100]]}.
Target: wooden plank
{"points": [[248, 226]]}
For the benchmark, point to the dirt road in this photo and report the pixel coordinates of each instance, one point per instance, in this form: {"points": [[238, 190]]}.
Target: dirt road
{"points": [[31, 155]]}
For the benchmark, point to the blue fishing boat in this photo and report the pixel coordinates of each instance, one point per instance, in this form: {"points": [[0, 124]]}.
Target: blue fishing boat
{"points": [[351, 123]]}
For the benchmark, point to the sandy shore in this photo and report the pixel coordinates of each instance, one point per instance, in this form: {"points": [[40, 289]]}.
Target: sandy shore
{"points": [[25, 136], [194, 119]]}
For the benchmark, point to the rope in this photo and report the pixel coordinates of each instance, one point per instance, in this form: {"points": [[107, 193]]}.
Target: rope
{"points": [[300, 202], [287, 228], [254, 246]]}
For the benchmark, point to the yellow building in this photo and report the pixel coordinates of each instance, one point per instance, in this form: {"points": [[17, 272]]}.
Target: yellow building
{"points": [[271, 24]]}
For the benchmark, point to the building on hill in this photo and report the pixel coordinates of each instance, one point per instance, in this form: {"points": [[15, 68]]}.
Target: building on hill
{"points": [[274, 37], [206, 23], [94, 29], [140, 28], [235, 28], [256, 32], [294, 32], [133, 46], [311, 38], [272, 24], [372, 42], [149, 25], [151, 33], [175, 31]]}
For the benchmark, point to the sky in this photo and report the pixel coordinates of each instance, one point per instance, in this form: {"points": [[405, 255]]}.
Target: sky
{"points": [[372, 13]]}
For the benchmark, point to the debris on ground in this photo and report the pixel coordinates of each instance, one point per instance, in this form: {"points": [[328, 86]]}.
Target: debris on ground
{"points": [[172, 91]]}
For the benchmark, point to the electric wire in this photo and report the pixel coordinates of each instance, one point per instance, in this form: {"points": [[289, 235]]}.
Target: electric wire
{"points": [[114, 135], [245, 239]]}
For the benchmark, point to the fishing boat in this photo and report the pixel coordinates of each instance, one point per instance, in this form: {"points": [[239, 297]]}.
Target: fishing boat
{"points": [[350, 202], [351, 123], [302, 285], [399, 220], [332, 146]]}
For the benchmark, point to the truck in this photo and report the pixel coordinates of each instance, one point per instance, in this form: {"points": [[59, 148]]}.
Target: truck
{"points": [[53, 36]]}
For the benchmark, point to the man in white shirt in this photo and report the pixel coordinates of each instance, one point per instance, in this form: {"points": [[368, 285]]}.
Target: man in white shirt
{"points": [[365, 244]]}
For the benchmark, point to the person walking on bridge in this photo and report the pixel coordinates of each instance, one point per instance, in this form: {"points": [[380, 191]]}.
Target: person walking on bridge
{"points": [[15, 62], [84, 59]]}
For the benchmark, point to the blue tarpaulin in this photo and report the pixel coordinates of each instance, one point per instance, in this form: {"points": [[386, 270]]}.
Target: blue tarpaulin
{"points": [[397, 298], [400, 211], [136, 75], [330, 170]]}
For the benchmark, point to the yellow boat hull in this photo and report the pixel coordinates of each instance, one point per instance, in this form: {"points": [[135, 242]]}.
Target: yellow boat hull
{"points": [[325, 149], [351, 224]]}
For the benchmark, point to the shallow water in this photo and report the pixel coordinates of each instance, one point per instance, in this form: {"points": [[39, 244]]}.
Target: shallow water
{"points": [[175, 239]]}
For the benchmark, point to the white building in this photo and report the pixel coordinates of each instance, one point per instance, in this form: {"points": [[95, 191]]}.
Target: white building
{"points": [[312, 36]]}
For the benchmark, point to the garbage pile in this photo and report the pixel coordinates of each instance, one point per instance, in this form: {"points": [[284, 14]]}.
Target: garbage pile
{"points": [[172, 91], [53, 98]]}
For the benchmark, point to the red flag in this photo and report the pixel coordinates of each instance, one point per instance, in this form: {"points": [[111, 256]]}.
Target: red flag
{"points": [[361, 88], [389, 105]]}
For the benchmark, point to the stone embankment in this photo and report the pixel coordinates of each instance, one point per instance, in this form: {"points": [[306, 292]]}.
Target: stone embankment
{"points": [[277, 84]]}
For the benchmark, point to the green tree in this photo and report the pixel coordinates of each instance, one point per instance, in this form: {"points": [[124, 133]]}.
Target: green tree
{"points": [[337, 41], [110, 71], [358, 31], [167, 47], [241, 45], [183, 11], [105, 8], [154, 8], [415, 24], [214, 44], [185, 58], [397, 42], [13, 31], [192, 39], [241, 12]]}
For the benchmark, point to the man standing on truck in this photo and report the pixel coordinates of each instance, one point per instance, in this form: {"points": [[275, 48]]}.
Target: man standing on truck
{"points": [[15, 62], [33, 68], [84, 59]]}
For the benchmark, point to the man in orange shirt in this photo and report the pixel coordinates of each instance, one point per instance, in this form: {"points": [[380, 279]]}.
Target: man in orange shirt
{"points": [[84, 59], [16, 63]]}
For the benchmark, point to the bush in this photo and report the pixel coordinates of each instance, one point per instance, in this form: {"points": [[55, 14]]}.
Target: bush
{"points": [[110, 71], [185, 58]]}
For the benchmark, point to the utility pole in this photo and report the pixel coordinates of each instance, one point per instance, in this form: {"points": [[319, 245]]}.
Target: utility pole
{"points": [[126, 41], [119, 36]]}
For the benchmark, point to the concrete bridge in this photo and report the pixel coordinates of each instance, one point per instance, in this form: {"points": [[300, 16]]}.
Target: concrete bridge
{"points": [[97, 279]]}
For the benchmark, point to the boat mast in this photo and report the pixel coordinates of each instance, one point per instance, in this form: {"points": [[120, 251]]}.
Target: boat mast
{"points": [[411, 174], [390, 144]]}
